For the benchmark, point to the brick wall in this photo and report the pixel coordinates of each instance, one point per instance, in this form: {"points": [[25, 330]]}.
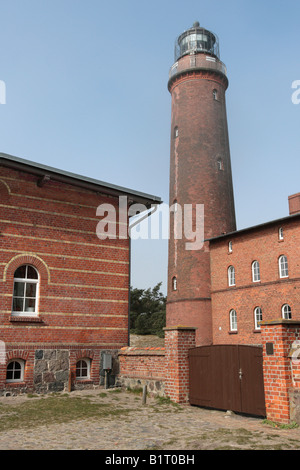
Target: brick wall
{"points": [[178, 341], [83, 281], [143, 366], [270, 293], [281, 368]]}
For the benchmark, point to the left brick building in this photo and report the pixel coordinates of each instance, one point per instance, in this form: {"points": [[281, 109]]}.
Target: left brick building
{"points": [[64, 288]]}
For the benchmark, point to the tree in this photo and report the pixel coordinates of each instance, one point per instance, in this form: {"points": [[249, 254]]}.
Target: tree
{"points": [[147, 311]]}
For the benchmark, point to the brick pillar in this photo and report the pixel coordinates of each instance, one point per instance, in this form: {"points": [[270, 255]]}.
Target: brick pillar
{"points": [[278, 339], [178, 341]]}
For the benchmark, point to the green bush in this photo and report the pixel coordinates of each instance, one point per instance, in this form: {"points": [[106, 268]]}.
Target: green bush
{"points": [[148, 311]]}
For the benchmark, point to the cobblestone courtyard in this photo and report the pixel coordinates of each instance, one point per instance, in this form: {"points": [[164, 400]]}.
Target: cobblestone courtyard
{"points": [[131, 425]]}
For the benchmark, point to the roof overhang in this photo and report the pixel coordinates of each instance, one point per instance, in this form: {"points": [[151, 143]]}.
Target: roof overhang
{"points": [[45, 173]]}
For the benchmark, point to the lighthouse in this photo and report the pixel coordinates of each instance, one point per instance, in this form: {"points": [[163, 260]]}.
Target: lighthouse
{"points": [[200, 174]]}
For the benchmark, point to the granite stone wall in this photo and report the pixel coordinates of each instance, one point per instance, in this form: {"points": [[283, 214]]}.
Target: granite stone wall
{"points": [[51, 370]]}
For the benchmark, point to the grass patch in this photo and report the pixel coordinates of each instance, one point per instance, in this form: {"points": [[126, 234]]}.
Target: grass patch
{"points": [[292, 425], [166, 401], [54, 410]]}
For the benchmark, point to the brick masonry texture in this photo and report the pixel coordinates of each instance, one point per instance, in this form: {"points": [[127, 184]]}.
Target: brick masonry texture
{"points": [[261, 244], [83, 281], [281, 370], [200, 173], [140, 367]]}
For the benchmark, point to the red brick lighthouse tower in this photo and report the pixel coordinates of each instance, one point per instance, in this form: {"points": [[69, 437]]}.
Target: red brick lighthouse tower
{"points": [[200, 173]]}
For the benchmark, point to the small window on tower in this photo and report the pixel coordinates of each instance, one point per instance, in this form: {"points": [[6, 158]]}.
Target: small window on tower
{"points": [[220, 164], [176, 132], [280, 233], [174, 283], [215, 94]]}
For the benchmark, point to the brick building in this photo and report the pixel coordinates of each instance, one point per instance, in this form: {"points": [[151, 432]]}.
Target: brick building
{"points": [[64, 288], [255, 276]]}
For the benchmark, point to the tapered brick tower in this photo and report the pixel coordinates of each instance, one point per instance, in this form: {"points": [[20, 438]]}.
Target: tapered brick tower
{"points": [[200, 173]]}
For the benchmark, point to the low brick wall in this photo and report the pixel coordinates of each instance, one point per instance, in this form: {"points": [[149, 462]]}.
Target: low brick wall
{"points": [[281, 362], [143, 366]]}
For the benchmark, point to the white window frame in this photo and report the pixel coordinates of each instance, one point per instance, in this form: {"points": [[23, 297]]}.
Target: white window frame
{"points": [[25, 280], [87, 360], [233, 320], [21, 362], [255, 271], [280, 233], [230, 247], [257, 317], [174, 283], [231, 276], [283, 266], [286, 312]]}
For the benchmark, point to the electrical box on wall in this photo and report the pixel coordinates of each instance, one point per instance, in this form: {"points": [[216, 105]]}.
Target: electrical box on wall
{"points": [[107, 361]]}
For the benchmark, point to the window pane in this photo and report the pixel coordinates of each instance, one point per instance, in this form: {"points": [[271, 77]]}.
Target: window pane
{"points": [[17, 374], [31, 273], [30, 289], [18, 305], [19, 289], [29, 305], [14, 370], [20, 272]]}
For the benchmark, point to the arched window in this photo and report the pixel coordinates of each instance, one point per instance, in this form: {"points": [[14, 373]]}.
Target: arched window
{"points": [[233, 320], [15, 370], [231, 276], [255, 271], [286, 312], [174, 283], [283, 266], [280, 233], [215, 94], [83, 369], [25, 291], [230, 247], [257, 317], [176, 132]]}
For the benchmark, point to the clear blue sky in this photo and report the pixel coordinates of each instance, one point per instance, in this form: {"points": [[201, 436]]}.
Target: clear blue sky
{"points": [[86, 91]]}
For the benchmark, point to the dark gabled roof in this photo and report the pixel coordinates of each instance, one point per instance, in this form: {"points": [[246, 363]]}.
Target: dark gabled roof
{"points": [[71, 178], [255, 227]]}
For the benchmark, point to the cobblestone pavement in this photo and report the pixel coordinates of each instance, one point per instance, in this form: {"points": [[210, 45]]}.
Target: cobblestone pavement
{"points": [[151, 427]]}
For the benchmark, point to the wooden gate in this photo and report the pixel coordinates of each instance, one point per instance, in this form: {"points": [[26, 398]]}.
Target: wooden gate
{"points": [[227, 377]]}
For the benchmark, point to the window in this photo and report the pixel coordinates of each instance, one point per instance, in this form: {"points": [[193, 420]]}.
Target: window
{"points": [[220, 164], [215, 94], [283, 266], [25, 292], [257, 317], [83, 368], [231, 276], [174, 283], [230, 247], [286, 312], [233, 320], [15, 371], [255, 271], [176, 132], [280, 233]]}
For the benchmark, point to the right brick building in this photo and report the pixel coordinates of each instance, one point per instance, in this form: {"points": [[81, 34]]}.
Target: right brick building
{"points": [[255, 277]]}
